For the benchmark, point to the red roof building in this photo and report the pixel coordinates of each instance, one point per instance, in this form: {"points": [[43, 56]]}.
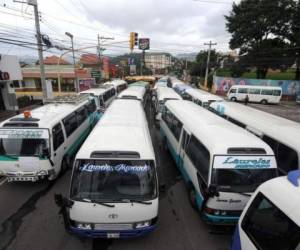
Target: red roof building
{"points": [[89, 59], [53, 60]]}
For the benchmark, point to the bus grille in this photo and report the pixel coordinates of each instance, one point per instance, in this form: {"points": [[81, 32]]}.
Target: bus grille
{"points": [[113, 226]]}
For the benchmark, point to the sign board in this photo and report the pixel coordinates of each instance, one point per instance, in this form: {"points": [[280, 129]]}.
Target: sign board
{"points": [[243, 162], [132, 70], [144, 43], [49, 88], [24, 133], [130, 61], [86, 83], [96, 73], [10, 69]]}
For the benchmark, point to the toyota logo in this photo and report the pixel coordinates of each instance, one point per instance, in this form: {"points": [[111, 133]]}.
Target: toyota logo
{"points": [[113, 216]]}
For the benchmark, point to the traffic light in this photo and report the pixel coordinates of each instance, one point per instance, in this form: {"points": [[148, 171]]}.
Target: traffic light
{"points": [[133, 40]]}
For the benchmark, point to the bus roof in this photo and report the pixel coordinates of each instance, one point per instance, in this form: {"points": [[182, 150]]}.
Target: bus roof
{"points": [[256, 87], [167, 93], [216, 133], [96, 91], [46, 116], [182, 87], [284, 195], [284, 130], [123, 127], [203, 95], [116, 82], [133, 91]]}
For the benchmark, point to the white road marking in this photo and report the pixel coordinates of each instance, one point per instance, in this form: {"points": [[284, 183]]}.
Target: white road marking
{"points": [[3, 181]]}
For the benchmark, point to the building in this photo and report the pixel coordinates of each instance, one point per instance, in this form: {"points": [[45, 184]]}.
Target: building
{"points": [[158, 62], [10, 73]]}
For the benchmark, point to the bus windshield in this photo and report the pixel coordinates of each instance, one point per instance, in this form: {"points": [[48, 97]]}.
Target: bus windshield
{"points": [[242, 173], [113, 180], [23, 142]]}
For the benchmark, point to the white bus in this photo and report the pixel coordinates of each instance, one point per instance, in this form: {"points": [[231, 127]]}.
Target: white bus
{"points": [[261, 94], [41, 143], [271, 219], [114, 187], [281, 134], [118, 84], [162, 95], [221, 163], [133, 92], [104, 95], [202, 97]]}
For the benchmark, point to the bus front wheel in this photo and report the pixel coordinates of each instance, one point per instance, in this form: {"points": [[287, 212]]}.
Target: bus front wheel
{"points": [[64, 165], [264, 102], [233, 99]]}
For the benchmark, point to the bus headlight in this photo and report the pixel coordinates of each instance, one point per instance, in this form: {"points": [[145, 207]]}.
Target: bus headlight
{"points": [[142, 224]]}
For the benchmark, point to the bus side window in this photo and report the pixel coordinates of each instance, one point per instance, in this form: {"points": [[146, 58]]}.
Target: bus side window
{"points": [[101, 102], [91, 106], [58, 136], [176, 127], [276, 92], [70, 123], [199, 156], [268, 227], [185, 139], [236, 122], [81, 115], [287, 158]]}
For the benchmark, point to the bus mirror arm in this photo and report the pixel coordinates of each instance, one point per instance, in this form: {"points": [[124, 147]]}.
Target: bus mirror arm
{"points": [[212, 191]]}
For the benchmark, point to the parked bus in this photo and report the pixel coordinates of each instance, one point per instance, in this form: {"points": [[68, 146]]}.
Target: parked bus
{"points": [[162, 95], [181, 90], [281, 134], [114, 186], [41, 143], [201, 97], [271, 219], [134, 92], [260, 94], [119, 85], [104, 95], [221, 163]]}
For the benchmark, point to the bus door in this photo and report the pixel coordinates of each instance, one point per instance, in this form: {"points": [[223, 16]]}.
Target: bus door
{"points": [[182, 147]]}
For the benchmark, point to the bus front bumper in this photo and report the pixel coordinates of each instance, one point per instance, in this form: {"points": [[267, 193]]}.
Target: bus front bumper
{"points": [[220, 220], [121, 234], [27, 176]]}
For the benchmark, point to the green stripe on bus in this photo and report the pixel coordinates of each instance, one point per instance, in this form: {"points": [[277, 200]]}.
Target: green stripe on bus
{"points": [[73, 148]]}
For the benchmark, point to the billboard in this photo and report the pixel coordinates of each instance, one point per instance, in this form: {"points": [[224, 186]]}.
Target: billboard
{"points": [[105, 61], [86, 83], [144, 43], [222, 84]]}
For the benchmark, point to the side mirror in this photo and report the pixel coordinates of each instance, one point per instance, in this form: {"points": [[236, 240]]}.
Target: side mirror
{"points": [[62, 201], [212, 191], [46, 152]]}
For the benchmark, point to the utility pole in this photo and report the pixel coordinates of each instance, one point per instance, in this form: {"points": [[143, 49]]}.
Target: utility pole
{"points": [[74, 62], [39, 44], [208, 60], [99, 38]]}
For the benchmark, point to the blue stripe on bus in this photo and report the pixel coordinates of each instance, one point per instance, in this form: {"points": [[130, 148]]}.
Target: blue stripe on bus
{"points": [[236, 240]]}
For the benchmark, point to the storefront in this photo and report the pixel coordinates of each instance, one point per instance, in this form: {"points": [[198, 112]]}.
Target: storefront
{"points": [[10, 72]]}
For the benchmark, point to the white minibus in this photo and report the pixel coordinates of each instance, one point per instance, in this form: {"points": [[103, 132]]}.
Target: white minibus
{"points": [[114, 186], [133, 92], [221, 163], [261, 94], [202, 97], [104, 95], [118, 84], [271, 219], [41, 143], [162, 95], [281, 134]]}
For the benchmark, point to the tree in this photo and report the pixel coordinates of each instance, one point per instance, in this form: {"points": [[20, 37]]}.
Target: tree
{"points": [[198, 67], [256, 27]]}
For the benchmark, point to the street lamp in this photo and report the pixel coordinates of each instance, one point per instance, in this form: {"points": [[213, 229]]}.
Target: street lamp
{"points": [[74, 63]]}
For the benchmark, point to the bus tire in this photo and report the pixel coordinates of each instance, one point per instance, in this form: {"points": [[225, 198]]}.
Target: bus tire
{"points": [[264, 102], [233, 99], [64, 165], [192, 197]]}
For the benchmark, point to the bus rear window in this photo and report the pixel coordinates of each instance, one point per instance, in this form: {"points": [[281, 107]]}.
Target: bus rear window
{"points": [[246, 151], [268, 227]]}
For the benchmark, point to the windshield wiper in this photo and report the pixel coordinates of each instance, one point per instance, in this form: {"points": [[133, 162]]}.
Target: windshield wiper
{"points": [[235, 191], [136, 201], [98, 202]]}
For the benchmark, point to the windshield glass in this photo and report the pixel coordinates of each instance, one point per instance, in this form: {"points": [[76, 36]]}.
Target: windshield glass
{"points": [[27, 142], [242, 173], [114, 180]]}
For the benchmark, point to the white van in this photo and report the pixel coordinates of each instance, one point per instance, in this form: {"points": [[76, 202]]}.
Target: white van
{"points": [[114, 187], [104, 95], [271, 219], [41, 143], [162, 96], [221, 163], [202, 97], [281, 134], [118, 84], [261, 94]]}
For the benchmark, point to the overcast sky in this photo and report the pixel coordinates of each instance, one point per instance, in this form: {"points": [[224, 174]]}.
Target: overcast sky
{"points": [[176, 26]]}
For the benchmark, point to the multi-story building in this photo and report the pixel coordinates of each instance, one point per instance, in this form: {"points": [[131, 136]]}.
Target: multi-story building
{"points": [[158, 61]]}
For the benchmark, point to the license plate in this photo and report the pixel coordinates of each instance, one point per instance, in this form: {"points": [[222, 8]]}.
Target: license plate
{"points": [[113, 236]]}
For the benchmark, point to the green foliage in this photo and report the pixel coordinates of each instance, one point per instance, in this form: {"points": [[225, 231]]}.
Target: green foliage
{"points": [[259, 29]]}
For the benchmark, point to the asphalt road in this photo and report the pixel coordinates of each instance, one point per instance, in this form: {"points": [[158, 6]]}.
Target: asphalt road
{"points": [[29, 218]]}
